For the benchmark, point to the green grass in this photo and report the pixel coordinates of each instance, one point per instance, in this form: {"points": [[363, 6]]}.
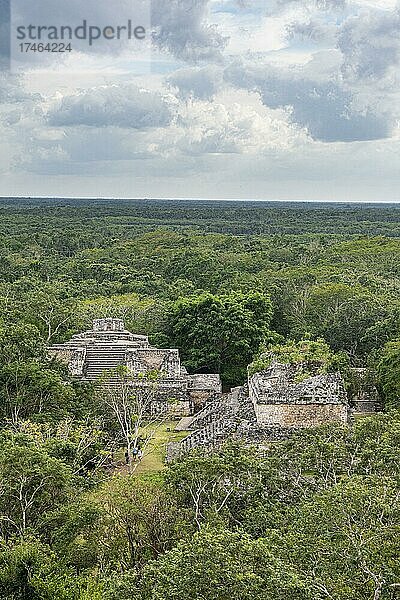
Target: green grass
{"points": [[154, 455]]}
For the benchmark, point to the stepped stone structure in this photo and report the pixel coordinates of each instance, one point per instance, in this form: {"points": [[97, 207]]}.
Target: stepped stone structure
{"points": [[269, 408], [272, 405], [280, 400], [91, 354]]}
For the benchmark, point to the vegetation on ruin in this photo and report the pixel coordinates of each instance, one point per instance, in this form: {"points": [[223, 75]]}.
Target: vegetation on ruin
{"points": [[311, 357], [312, 518]]}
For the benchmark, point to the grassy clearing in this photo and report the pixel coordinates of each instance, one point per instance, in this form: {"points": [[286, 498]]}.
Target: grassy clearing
{"points": [[154, 456]]}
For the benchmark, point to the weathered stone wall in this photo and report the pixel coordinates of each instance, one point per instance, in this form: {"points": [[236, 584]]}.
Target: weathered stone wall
{"points": [[172, 409], [61, 353], [206, 381], [299, 415], [203, 388], [199, 398]]}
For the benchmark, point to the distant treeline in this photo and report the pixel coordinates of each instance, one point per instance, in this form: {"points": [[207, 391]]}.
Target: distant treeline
{"points": [[235, 217]]}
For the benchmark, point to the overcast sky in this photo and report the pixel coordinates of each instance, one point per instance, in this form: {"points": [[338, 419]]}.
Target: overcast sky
{"points": [[253, 99]]}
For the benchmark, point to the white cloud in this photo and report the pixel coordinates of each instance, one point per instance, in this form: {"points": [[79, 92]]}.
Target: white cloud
{"points": [[292, 99], [12, 90], [183, 29], [116, 105], [370, 44], [203, 83], [234, 128], [324, 107], [236, 123]]}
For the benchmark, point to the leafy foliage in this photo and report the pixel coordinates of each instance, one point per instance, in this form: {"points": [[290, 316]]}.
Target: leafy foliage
{"points": [[216, 564], [311, 357], [388, 371], [312, 518], [220, 333]]}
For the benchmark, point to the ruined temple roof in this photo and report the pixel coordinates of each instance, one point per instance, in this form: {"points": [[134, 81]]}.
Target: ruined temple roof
{"points": [[203, 381], [109, 331], [281, 384], [108, 345]]}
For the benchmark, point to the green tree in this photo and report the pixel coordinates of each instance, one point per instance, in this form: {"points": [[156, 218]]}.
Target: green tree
{"points": [[218, 488], [29, 388], [388, 370], [139, 521], [48, 306], [220, 333], [256, 488], [20, 342], [29, 383], [32, 483], [29, 570], [347, 540], [342, 314], [214, 565]]}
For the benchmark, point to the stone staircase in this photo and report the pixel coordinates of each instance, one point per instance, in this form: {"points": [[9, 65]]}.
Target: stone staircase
{"points": [[103, 358], [230, 418], [211, 426], [212, 434], [203, 417], [184, 424]]}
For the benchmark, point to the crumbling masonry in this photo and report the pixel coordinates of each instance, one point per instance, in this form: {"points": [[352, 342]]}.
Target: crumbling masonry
{"points": [[93, 356], [273, 404]]}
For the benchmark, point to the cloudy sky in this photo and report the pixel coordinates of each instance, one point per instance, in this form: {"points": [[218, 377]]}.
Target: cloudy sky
{"points": [[254, 99]]}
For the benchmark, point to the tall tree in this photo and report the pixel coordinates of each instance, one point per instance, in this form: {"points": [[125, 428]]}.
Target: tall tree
{"points": [[28, 383], [215, 565], [220, 333], [32, 483], [132, 401], [388, 369]]}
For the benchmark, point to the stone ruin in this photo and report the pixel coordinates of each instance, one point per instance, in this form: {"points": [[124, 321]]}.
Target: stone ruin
{"points": [[272, 405], [280, 399], [93, 355]]}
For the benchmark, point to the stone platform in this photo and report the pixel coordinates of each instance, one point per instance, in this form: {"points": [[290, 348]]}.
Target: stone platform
{"points": [[94, 355]]}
